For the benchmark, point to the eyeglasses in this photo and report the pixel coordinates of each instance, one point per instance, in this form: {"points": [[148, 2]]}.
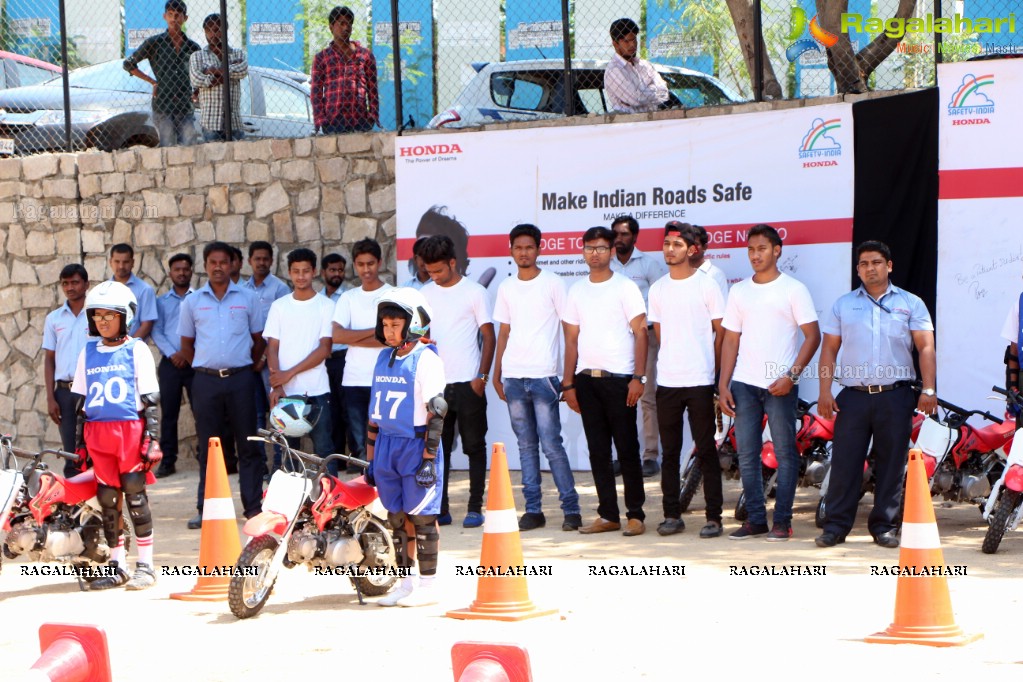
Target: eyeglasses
{"points": [[105, 317], [596, 249]]}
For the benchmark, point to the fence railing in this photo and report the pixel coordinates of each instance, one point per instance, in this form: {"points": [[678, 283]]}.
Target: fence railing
{"points": [[80, 72]]}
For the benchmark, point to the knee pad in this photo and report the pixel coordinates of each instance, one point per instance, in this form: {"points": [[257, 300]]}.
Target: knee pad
{"points": [[422, 519], [134, 482], [141, 516], [110, 502], [427, 547], [397, 520]]}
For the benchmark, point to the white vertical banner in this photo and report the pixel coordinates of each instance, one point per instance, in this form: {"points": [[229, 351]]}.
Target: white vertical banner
{"points": [[980, 237], [723, 173]]}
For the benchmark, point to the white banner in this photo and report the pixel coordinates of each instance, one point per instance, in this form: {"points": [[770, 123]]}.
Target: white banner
{"points": [[980, 244], [792, 169]]}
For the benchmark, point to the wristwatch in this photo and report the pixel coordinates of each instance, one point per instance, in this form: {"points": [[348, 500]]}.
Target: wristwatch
{"points": [[929, 392], [484, 376], [640, 379], [794, 376]]}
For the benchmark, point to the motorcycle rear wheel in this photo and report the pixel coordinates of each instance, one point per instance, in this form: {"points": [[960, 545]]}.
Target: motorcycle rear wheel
{"points": [[246, 594], [691, 479], [1001, 520]]}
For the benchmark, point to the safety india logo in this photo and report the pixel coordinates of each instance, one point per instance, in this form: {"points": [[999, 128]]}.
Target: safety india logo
{"points": [[969, 102], [818, 148]]}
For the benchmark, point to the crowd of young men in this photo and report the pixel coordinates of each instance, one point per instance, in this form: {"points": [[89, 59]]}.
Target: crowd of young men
{"points": [[662, 333]]}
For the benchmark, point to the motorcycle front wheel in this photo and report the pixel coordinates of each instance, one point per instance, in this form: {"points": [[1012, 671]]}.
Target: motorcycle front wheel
{"points": [[247, 594], [691, 479], [1000, 520]]}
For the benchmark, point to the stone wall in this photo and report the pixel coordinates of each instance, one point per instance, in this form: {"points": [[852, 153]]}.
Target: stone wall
{"points": [[323, 193]]}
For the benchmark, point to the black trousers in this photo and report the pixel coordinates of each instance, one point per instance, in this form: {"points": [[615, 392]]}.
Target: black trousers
{"points": [[340, 434], [607, 418], [229, 401], [68, 421], [468, 412], [672, 404], [888, 417], [174, 383]]}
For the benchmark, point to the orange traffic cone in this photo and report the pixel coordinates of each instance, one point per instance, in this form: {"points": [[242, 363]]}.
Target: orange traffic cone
{"points": [[482, 662], [219, 546], [72, 653], [923, 609], [504, 596]]}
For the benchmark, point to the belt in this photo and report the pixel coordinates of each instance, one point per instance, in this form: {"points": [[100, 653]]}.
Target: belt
{"points": [[881, 388], [338, 354], [603, 374], [63, 384], [222, 373]]}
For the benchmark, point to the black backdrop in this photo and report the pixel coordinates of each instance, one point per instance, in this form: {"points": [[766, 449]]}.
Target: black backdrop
{"points": [[896, 191]]}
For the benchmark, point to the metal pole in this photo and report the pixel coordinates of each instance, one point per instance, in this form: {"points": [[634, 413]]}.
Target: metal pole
{"points": [[225, 67], [937, 35], [569, 85], [396, 56], [64, 78], [758, 52]]}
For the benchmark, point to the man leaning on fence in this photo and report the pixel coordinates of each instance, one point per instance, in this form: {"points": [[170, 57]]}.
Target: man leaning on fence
{"points": [[205, 69], [168, 54], [632, 84], [344, 81]]}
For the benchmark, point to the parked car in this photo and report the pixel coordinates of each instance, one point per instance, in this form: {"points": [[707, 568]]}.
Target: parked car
{"points": [[111, 109], [535, 89], [17, 70]]}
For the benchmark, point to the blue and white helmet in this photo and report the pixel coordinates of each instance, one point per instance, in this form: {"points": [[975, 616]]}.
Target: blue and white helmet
{"points": [[417, 313]]}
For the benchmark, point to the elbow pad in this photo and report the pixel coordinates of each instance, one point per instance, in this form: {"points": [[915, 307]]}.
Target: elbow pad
{"points": [[1011, 373], [436, 407], [79, 422], [150, 401]]}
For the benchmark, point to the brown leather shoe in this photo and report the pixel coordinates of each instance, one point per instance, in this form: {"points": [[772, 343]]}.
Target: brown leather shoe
{"points": [[600, 526], [634, 527]]}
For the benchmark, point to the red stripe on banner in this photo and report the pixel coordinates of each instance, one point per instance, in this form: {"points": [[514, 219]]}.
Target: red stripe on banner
{"points": [[793, 232], [980, 183]]}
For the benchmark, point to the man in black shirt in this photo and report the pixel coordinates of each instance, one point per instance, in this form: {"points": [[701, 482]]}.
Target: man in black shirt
{"points": [[168, 54]]}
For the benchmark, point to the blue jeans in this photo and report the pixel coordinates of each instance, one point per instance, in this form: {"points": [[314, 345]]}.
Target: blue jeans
{"points": [[323, 443], [220, 136], [175, 129], [357, 410], [341, 128], [751, 402], [535, 419]]}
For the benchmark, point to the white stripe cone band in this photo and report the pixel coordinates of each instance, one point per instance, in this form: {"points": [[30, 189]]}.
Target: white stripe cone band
{"points": [[920, 536], [218, 509], [500, 521]]}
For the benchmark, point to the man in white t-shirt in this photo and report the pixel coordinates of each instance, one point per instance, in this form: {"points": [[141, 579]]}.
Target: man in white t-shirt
{"points": [[686, 308], [699, 261], [761, 360], [461, 317], [355, 320], [644, 269], [605, 371], [528, 310], [298, 332]]}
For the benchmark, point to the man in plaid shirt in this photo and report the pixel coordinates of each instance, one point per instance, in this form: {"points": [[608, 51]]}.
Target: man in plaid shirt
{"points": [[344, 81], [207, 76]]}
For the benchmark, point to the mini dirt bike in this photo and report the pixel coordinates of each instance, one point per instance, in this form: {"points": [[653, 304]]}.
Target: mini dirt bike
{"points": [[977, 455], [1004, 507], [311, 518], [47, 517]]}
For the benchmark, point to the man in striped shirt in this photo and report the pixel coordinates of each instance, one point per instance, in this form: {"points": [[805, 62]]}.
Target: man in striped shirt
{"points": [[206, 72]]}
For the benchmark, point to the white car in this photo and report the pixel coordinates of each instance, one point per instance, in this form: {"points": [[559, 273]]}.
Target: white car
{"points": [[535, 89]]}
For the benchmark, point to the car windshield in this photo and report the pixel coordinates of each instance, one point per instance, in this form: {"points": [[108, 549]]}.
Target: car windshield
{"points": [[107, 76]]}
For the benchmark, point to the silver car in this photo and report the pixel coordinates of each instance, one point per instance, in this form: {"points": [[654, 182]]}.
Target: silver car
{"points": [[535, 89]]}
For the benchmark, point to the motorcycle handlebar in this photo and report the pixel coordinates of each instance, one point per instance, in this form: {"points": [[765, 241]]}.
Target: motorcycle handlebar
{"points": [[36, 455], [263, 435], [966, 414], [1013, 397]]}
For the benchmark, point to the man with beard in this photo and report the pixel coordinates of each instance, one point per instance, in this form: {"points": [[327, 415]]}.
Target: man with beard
{"points": [[632, 84]]}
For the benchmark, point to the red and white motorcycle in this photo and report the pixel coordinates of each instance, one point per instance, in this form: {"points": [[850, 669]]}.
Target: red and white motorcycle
{"points": [[1004, 508], [313, 519]]}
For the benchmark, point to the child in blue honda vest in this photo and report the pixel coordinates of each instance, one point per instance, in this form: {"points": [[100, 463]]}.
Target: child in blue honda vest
{"points": [[406, 416], [116, 381]]}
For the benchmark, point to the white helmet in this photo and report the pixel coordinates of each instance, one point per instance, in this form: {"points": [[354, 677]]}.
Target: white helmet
{"points": [[417, 313], [294, 416], [111, 295]]}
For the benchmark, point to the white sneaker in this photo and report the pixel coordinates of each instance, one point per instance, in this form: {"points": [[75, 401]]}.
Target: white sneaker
{"points": [[425, 594], [403, 590]]}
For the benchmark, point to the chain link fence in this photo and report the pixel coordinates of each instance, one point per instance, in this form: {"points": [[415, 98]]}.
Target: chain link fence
{"points": [[296, 68]]}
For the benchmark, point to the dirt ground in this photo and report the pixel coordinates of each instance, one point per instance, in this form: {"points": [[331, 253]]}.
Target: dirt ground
{"points": [[609, 627]]}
